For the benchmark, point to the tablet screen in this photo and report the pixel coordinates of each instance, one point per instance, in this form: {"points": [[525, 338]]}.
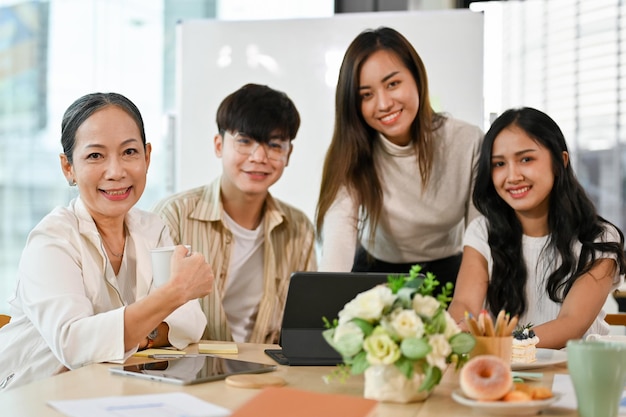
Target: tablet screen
{"points": [[192, 370]]}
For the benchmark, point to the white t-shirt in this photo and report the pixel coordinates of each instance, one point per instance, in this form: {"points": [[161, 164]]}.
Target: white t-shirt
{"points": [[244, 286], [539, 265]]}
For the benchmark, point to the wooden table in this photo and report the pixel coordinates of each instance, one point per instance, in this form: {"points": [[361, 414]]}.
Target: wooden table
{"points": [[96, 381]]}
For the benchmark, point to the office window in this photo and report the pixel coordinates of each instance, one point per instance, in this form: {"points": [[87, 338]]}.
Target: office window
{"points": [[55, 52], [566, 57]]}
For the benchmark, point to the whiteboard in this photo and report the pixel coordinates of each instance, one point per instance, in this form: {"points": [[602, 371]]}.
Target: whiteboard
{"points": [[302, 57]]}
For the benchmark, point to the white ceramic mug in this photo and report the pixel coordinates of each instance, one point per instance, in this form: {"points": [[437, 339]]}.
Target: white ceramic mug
{"points": [[606, 338], [161, 263]]}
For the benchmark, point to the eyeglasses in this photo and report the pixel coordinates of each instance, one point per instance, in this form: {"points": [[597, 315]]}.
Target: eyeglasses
{"points": [[275, 149]]}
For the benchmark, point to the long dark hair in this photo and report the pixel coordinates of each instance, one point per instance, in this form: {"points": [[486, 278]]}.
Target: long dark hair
{"points": [[350, 157], [571, 217]]}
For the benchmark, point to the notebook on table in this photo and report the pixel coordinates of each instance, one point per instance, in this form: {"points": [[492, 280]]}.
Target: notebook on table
{"points": [[311, 296]]}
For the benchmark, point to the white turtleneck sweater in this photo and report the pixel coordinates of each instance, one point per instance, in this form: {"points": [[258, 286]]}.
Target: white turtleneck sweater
{"points": [[416, 224]]}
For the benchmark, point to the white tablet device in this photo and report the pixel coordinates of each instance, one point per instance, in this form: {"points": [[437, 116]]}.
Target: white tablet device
{"points": [[191, 370]]}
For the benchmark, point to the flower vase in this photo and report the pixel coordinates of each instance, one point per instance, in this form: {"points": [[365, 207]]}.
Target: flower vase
{"points": [[386, 383]]}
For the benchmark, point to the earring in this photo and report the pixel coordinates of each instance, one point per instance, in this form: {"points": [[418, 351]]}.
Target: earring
{"points": [[71, 183]]}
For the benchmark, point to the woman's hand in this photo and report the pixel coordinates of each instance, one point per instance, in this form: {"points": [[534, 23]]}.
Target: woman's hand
{"points": [[580, 307], [191, 276]]}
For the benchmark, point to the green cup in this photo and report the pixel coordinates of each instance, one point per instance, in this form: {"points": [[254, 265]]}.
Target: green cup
{"points": [[598, 372]]}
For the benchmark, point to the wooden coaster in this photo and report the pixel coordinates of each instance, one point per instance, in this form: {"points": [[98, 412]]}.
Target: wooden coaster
{"points": [[254, 381]]}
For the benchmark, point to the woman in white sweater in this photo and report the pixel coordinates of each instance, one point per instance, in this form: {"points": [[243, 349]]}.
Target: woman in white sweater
{"points": [[84, 292], [397, 179]]}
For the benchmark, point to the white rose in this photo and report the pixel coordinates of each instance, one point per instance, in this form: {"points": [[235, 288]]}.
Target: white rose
{"points": [[425, 305], [406, 323], [451, 327], [381, 349], [348, 339], [367, 305], [440, 351]]}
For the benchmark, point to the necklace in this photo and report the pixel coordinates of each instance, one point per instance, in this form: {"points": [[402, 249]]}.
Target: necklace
{"points": [[117, 255]]}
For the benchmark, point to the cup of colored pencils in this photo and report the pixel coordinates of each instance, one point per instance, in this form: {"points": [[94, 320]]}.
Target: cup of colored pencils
{"points": [[492, 338]]}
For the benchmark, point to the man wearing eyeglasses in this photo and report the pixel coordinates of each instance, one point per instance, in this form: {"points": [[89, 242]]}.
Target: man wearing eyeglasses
{"points": [[252, 240]]}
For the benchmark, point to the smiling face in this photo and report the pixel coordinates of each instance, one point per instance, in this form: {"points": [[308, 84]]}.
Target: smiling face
{"points": [[522, 172], [389, 96], [246, 175], [109, 163]]}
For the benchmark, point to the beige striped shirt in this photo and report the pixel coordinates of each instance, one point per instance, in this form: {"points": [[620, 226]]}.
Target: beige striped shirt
{"points": [[194, 217]]}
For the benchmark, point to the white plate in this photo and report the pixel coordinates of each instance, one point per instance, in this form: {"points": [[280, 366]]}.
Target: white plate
{"points": [[522, 408], [545, 357]]}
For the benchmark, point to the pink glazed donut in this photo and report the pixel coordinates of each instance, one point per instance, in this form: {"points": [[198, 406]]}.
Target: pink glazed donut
{"points": [[486, 378]]}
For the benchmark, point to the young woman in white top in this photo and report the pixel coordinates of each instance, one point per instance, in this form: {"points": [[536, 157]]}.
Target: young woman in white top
{"points": [[541, 251], [397, 179]]}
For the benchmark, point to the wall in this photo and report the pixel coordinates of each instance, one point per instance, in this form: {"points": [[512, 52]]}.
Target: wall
{"points": [[302, 58]]}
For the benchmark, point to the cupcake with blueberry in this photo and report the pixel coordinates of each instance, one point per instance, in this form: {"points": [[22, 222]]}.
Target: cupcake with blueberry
{"points": [[524, 345]]}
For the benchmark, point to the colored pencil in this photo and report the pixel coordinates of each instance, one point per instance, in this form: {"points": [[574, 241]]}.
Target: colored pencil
{"points": [[500, 324], [489, 330], [472, 324]]}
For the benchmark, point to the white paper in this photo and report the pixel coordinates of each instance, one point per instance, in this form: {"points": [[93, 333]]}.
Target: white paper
{"points": [[563, 383], [175, 404]]}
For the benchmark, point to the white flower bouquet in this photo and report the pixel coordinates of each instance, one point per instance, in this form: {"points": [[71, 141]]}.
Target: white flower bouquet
{"points": [[403, 324]]}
